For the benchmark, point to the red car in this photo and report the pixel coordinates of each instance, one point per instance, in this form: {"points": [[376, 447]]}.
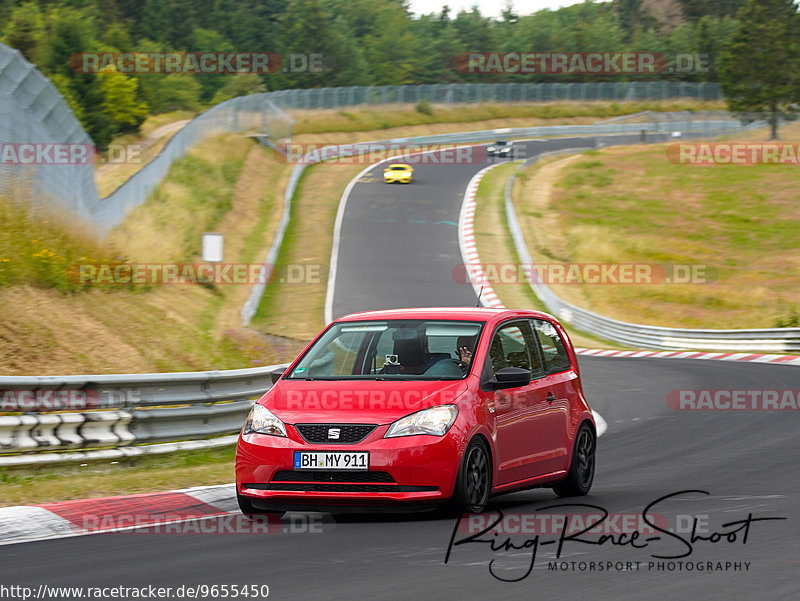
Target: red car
{"points": [[420, 407]]}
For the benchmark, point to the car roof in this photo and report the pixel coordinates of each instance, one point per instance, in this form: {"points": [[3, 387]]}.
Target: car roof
{"points": [[455, 313], [403, 165]]}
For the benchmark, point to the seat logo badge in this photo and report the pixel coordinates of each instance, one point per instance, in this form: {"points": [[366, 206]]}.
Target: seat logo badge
{"points": [[333, 433]]}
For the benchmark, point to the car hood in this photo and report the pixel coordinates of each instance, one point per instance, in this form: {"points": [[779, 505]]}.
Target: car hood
{"points": [[356, 401]]}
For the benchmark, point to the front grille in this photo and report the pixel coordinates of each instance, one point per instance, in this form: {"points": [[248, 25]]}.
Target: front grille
{"points": [[321, 487], [331, 476], [348, 433]]}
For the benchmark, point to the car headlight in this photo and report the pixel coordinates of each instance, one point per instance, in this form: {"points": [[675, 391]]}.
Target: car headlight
{"points": [[490, 149], [435, 421], [262, 421], [505, 149]]}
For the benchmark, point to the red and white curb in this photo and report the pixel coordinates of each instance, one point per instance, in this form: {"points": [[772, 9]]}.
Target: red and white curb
{"points": [[469, 254], [747, 357], [488, 297], [149, 511], [469, 249]]}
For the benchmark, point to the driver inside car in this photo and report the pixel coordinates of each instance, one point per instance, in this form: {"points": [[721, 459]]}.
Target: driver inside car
{"points": [[443, 364], [414, 357]]}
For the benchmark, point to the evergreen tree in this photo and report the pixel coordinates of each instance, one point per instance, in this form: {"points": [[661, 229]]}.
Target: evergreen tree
{"points": [[759, 70]]}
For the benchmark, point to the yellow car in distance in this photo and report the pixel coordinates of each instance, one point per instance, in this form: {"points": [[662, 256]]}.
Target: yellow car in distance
{"points": [[398, 172]]}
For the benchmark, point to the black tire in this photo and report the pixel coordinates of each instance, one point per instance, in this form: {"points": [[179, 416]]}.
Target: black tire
{"points": [[581, 470], [246, 507], [474, 482]]}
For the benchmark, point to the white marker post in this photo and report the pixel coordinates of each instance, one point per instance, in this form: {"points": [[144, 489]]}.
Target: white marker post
{"points": [[212, 247]]}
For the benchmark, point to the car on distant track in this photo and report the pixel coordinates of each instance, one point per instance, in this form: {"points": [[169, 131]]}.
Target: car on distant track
{"points": [[398, 172], [501, 148], [419, 408]]}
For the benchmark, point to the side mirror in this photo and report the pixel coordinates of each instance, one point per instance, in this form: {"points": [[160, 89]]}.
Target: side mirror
{"points": [[276, 374], [511, 377]]}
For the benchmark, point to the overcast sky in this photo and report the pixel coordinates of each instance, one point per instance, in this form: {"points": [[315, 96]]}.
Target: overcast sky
{"points": [[490, 8]]}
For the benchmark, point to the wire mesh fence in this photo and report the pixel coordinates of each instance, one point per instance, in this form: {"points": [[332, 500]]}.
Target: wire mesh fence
{"points": [[318, 98], [246, 113], [33, 113]]}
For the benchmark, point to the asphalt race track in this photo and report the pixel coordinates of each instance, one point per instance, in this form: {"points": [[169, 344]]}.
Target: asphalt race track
{"points": [[398, 248], [399, 242]]}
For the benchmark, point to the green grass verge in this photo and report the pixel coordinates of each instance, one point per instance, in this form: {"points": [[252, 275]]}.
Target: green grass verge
{"points": [[151, 473], [738, 224], [495, 246], [375, 118]]}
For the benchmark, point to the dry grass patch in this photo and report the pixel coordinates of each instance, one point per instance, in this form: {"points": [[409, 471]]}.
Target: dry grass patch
{"points": [[160, 328], [631, 205], [297, 310], [495, 247], [156, 131], [406, 117]]}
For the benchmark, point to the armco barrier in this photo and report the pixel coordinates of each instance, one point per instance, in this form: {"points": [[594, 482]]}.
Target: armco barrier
{"points": [[125, 414], [776, 340], [688, 123]]}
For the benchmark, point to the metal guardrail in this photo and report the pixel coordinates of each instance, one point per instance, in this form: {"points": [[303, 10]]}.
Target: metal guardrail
{"points": [[129, 415], [775, 340], [118, 411], [692, 123]]}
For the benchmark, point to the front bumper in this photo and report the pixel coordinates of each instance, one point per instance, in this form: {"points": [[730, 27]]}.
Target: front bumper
{"points": [[412, 469]]}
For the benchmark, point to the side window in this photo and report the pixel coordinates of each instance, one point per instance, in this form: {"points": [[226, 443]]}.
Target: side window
{"points": [[554, 353], [513, 346]]}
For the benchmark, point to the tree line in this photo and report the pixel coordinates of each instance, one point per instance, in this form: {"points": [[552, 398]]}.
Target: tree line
{"points": [[363, 42]]}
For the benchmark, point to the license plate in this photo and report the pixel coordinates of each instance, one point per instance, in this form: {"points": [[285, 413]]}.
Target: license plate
{"points": [[331, 460]]}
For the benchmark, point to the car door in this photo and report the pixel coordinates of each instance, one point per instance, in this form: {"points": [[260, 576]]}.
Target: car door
{"points": [[516, 411], [558, 386]]}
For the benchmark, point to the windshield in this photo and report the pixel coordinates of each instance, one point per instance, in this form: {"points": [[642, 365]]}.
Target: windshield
{"points": [[393, 349], [500, 143]]}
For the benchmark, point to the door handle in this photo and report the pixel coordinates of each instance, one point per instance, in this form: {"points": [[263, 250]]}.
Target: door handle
{"points": [[550, 397]]}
